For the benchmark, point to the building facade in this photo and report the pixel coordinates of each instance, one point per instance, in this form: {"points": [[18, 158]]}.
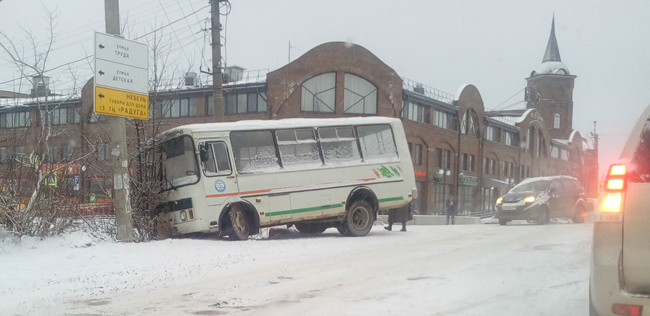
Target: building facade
{"points": [[458, 148]]}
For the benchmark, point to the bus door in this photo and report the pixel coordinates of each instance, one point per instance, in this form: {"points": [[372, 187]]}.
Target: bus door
{"points": [[219, 179]]}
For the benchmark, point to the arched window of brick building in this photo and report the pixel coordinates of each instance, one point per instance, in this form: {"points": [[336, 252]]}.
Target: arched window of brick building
{"points": [[469, 125], [556, 120], [318, 93], [360, 96]]}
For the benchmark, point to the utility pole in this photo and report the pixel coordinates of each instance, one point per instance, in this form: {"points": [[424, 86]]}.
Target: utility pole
{"points": [[119, 152], [217, 79]]}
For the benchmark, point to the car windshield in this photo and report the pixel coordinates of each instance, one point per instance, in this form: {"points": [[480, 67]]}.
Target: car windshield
{"points": [[534, 186]]}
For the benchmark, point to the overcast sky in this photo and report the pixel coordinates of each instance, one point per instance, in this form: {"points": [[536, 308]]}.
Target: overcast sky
{"points": [[443, 44]]}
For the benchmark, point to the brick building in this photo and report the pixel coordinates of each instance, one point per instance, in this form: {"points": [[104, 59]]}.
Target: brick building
{"points": [[457, 147]]}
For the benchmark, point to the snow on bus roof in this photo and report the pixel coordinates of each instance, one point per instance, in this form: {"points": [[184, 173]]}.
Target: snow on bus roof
{"points": [[284, 123]]}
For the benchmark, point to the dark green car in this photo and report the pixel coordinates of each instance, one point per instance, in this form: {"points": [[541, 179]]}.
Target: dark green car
{"points": [[540, 199]]}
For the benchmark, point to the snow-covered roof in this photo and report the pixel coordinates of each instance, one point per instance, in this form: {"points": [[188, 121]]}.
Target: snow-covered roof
{"points": [[561, 141], [572, 135], [551, 68], [433, 93], [247, 80], [283, 123], [459, 91], [511, 119], [27, 102], [551, 63]]}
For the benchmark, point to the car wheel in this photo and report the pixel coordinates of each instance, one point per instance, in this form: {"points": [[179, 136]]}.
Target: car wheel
{"points": [[502, 222], [579, 215], [359, 219], [240, 225], [311, 228]]}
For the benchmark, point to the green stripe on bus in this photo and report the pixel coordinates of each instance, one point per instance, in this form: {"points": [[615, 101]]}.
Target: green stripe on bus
{"points": [[324, 207], [302, 210], [391, 199]]}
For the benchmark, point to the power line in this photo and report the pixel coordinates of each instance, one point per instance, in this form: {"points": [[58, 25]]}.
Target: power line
{"points": [[164, 26], [508, 99], [59, 66]]}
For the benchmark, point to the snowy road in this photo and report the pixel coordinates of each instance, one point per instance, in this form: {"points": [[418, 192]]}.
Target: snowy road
{"points": [[430, 270]]}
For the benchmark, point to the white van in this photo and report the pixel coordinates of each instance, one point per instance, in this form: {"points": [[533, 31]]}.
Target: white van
{"points": [[234, 178], [619, 283]]}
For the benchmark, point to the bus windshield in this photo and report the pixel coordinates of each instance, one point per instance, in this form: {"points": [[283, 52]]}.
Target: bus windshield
{"points": [[178, 162]]}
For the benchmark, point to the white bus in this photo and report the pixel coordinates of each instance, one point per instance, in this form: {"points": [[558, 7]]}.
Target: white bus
{"points": [[235, 178]]}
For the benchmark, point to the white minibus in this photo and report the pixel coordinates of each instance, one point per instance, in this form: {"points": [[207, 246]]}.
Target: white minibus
{"points": [[235, 178]]}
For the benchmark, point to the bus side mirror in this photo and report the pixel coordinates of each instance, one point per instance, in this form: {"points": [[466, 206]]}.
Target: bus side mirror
{"points": [[203, 154]]}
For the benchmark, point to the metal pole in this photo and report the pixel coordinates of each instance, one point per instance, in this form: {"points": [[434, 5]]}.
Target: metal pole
{"points": [[217, 79], [119, 153]]}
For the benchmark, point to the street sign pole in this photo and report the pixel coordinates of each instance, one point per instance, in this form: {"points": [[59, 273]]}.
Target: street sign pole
{"points": [[117, 133]]}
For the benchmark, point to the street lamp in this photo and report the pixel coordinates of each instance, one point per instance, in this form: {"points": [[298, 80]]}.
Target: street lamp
{"points": [[444, 174]]}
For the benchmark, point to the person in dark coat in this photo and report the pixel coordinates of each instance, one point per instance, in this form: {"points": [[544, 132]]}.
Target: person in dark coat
{"points": [[398, 215], [451, 208]]}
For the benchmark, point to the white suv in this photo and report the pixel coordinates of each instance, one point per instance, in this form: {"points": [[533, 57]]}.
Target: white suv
{"points": [[619, 283]]}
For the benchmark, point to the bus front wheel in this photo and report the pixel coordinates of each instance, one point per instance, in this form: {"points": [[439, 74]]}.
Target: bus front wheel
{"points": [[359, 219], [240, 225]]}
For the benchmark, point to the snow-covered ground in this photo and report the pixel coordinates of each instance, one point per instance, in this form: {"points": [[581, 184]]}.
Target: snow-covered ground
{"points": [[429, 270]]}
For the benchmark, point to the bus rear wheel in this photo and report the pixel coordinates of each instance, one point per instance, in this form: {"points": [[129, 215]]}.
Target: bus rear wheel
{"points": [[311, 228], [359, 219], [240, 225]]}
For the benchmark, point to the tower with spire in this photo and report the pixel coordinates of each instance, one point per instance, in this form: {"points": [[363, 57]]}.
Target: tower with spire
{"points": [[550, 90]]}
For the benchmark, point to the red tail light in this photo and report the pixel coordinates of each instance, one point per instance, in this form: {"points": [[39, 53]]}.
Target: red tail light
{"points": [[627, 310], [615, 178], [617, 170]]}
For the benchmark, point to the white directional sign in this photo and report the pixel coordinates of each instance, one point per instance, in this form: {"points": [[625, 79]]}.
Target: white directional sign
{"points": [[119, 50], [121, 77]]}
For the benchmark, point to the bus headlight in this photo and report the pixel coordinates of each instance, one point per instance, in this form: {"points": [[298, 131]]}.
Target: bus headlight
{"points": [[183, 216], [529, 199]]}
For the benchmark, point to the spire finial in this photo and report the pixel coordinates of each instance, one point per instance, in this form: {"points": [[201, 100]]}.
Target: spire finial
{"points": [[552, 52]]}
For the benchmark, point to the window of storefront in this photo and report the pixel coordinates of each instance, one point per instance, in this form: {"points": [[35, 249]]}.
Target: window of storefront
{"points": [[419, 203], [440, 193], [466, 199]]}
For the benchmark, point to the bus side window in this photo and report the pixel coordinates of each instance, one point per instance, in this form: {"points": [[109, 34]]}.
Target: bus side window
{"points": [[214, 158], [377, 143], [223, 161], [254, 151], [339, 145]]}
